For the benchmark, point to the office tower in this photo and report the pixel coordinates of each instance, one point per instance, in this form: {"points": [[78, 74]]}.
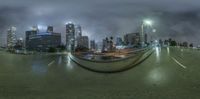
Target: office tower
{"points": [[50, 29], [78, 30], [132, 39], [70, 37], [42, 41], [119, 41], [92, 45], [11, 37], [83, 42], [145, 38]]}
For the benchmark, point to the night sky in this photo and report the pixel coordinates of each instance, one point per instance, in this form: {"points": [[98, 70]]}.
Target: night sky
{"points": [[178, 19]]}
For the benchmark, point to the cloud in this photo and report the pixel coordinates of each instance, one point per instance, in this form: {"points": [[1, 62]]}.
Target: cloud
{"points": [[173, 18]]}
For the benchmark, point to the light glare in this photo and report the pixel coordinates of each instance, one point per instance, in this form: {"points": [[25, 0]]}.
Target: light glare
{"points": [[148, 22]]}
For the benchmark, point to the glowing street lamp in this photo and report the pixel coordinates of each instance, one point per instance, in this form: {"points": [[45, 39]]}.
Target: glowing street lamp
{"points": [[148, 22]]}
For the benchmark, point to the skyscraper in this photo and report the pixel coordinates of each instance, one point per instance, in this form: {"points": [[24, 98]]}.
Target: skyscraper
{"points": [[105, 45], [78, 34], [70, 37], [92, 45], [83, 42], [28, 35], [19, 44], [50, 29], [145, 38], [11, 37], [78, 30], [42, 41], [119, 41], [132, 39]]}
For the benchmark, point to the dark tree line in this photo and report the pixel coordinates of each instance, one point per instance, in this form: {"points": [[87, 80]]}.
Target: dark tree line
{"points": [[175, 43]]}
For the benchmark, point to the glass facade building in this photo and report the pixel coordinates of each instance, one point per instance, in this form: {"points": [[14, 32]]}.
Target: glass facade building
{"points": [[42, 41]]}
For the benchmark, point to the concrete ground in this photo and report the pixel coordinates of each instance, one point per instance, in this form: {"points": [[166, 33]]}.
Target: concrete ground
{"points": [[169, 73]]}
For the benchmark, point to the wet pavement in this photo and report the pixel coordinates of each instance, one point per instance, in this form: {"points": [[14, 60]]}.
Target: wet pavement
{"points": [[169, 73]]}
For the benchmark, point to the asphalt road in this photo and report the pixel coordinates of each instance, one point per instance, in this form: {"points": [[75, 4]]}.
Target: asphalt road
{"points": [[169, 73]]}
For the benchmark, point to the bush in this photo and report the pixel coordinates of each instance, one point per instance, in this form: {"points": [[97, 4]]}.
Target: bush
{"points": [[52, 50]]}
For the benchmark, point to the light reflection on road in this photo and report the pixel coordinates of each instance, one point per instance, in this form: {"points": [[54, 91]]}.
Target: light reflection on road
{"points": [[157, 76], [69, 65], [158, 50], [60, 60], [38, 68], [168, 51]]}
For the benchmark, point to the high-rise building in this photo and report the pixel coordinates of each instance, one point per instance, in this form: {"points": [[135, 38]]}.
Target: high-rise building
{"points": [[119, 41], [28, 35], [50, 29], [42, 41], [161, 42], [105, 45], [83, 42], [78, 30], [11, 37], [92, 45], [70, 37], [132, 39], [78, 33], [19, 44], [145, 38]]}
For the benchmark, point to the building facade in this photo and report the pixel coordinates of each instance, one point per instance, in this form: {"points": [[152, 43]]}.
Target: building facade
{"points": [[145, 38], [119, 41], [70, 37], [50, 29], [132, 39], [83, 41], [19, 44], [78, 34], [78, 31], [108, 45], [28, 35], [42, 41], [92, 45], [11, 37]]}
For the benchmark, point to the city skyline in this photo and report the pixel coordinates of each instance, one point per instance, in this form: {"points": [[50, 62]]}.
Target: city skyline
{"points": [[75, 30], [114, 18]]}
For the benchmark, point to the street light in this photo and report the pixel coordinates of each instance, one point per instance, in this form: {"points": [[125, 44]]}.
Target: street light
{"points": [[146, 22]]}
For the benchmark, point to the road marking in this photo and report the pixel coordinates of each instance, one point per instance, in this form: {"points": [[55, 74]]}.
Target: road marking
{"points": [[179, 63], [51, 63]]}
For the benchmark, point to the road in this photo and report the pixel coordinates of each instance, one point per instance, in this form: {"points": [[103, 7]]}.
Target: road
{"points": [[169, 73]]}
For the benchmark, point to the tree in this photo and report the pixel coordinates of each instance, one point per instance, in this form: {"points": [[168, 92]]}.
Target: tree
{"points": [[173, 43], [52, 50], [111, 38], [185, 44], [61, 47], [191, 45]]}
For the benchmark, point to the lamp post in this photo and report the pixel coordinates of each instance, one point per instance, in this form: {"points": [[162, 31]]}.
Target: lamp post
{"points": [[144, 23]]}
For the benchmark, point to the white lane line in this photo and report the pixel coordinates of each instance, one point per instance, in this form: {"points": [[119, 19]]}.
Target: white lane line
{"points": [[179, 63], [51, 63]]}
